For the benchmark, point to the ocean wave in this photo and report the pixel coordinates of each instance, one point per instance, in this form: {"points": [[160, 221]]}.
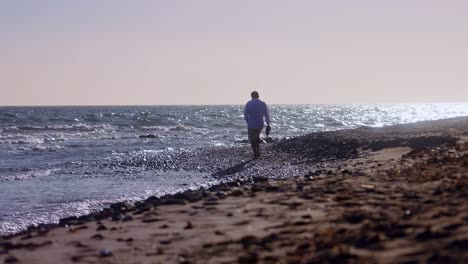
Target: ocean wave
{"points": [[12, 175], [181, 128], [155, 128], [19, 221], [54, 148], [62, 127], [20, 140]]}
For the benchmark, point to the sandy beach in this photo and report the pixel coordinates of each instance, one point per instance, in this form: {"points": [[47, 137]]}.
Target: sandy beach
{"points": [[396, 194]]}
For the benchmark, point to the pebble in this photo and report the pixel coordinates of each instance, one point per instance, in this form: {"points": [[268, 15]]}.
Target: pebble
{"points": [[189, 225], [101, 227], [97, 236], [104, 253], [150, 220], [11, 259], [127, 218]]}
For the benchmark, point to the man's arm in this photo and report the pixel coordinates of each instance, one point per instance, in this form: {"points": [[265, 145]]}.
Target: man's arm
{"points": [[246, 117], [267, 115]]}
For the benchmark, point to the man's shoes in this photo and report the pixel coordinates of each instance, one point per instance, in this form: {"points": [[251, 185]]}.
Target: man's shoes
{"points": [[256, 155]]}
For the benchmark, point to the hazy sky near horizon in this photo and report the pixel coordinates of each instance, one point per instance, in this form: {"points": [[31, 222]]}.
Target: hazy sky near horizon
{"points": [[89, 52]]}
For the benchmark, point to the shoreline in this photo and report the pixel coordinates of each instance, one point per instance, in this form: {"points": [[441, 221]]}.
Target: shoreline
{"points": [[335, 209]]}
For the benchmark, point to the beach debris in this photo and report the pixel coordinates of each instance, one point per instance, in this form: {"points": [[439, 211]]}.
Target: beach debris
{"points": [[150, 219], [189, 225], [104, 253], [354, 217], [101, 227], [259, 179], [148, 136], [429, 233], [130, 239], [127, 218], [218, 233], [11, 259], [121, 207], [158, 251], [345, 171], [242, 222], [97, 237], [249, 258], [73, 220], [117, 217], [165, 242], [237, 192], [210, 203], [78, 244], [368, 186], [43, 229], [76, 258], [27, 236], [247, 241], [73, 230]]}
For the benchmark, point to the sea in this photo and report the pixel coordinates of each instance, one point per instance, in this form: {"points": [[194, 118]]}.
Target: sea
{"points": [[65, 161]]}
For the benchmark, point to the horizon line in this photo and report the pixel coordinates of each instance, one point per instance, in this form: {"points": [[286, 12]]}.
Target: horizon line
{"points": [[240, 104]]}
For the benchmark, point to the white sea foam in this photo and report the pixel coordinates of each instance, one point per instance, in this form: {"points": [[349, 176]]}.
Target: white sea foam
{"points": [[180, 128], [25, 175]]}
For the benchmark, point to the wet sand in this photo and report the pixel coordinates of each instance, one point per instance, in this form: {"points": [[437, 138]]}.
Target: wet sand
{"points": [[388, 195]]}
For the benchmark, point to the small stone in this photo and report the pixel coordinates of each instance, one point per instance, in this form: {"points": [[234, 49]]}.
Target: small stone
{"points": [[76, 258], [345, 171], [11, 259], [256, 188], [210, 203], [354, 217], [237, 192], [150, 220], [104, 253], [148, 136], [368, 186], [101, 227], [165, 242], [27, 236], [130, 239], [189, 225], [97, 236], [127, 218], [117, 217]]}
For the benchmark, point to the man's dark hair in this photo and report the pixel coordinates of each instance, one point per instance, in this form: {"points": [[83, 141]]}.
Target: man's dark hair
{"points": [[254, 94]]}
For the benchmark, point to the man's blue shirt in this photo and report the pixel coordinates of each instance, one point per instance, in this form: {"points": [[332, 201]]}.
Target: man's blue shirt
{"points": [[254, 112]]}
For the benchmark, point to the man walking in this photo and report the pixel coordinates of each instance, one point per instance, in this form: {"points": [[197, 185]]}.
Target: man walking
{"points": [[254, 112]]}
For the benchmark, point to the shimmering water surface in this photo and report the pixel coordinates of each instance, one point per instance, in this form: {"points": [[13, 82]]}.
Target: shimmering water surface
{"points": [[62, 161]]}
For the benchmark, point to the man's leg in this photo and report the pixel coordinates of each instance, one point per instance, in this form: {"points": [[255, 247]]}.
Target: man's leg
{"points": [[257, 145], [254, 138]]}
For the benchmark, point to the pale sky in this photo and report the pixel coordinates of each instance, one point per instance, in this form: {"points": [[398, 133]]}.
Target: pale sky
{"points": [[151, 52]]}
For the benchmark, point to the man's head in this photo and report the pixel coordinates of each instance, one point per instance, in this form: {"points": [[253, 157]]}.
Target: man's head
{"points": [[254, 95]]}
